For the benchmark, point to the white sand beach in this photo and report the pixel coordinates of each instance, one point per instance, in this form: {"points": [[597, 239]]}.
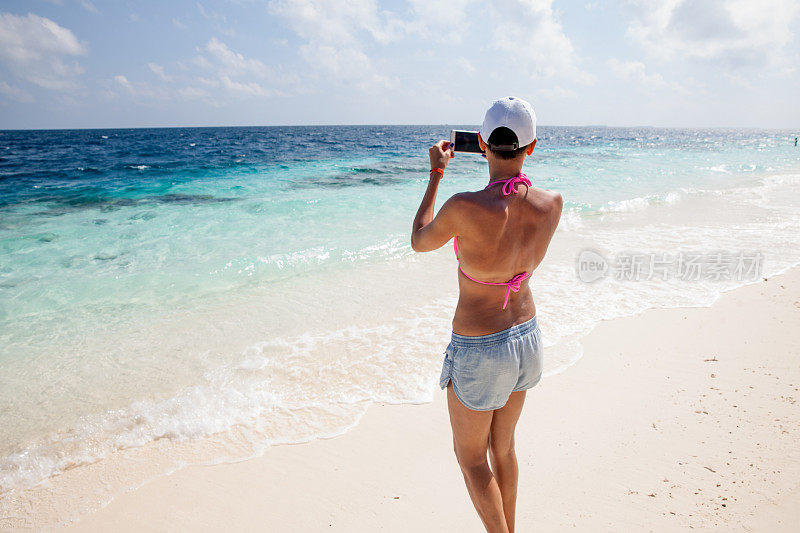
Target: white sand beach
{"points": [[674, 419]]}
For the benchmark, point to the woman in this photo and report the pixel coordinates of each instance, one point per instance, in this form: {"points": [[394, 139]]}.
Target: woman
{"points": [[501, 234]]}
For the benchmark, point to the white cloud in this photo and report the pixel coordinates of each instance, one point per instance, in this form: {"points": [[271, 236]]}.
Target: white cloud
{"points": [[464, 65], [736, 33], [208, 82], [89, 6], [158, 70], [635, 71], [33, 48], [429, 22], [233, 63], [193, 93], [210, 15], [141, 90], [347, 64], [333, 32], [178, 24], [202, 62], [122, 80], [231, 72], [342, 40], [247, 89], [336, 21], [32, 37], [218, 20], [15, 93], [529, 33]]}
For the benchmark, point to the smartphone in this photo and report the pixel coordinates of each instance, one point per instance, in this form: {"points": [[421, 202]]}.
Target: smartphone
{"points": [[465, 141]]}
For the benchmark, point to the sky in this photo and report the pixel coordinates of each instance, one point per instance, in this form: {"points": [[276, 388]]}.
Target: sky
{"points": [[674, 63]]}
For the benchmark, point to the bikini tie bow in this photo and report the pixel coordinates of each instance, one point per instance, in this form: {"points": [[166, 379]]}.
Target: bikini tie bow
{"points": [[510, 185], [514, 284]]}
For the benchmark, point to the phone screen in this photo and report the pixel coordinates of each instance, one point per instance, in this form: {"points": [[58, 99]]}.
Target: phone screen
{"points": [[465, 141]]}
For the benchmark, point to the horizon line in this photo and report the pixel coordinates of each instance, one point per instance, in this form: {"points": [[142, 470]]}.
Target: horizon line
{"points": [[397, 124]]}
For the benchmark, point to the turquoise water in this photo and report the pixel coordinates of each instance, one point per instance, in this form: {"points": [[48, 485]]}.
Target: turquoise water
{"points": [[125, 221], [181, 282]]}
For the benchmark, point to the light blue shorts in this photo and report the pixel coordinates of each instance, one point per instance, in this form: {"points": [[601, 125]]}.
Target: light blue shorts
{"points": [[485, 370]]}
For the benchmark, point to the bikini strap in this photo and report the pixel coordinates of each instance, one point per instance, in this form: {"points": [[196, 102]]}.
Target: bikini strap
{"points": [[510, 185], [512, 285]]}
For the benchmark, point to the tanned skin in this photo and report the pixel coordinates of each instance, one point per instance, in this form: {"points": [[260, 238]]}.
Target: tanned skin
{"points": [[498, 238]]}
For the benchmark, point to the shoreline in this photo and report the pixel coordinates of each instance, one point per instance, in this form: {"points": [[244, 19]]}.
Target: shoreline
{"points": [[680, 449]]}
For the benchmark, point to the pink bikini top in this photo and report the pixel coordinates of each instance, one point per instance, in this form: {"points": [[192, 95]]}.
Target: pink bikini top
{"points": [[514, 284]]}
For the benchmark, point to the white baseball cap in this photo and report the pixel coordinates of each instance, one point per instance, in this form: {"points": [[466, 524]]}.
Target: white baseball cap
{"points": [[513, 113]]}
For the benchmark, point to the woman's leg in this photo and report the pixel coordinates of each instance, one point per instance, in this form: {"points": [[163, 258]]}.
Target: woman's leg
{"points": [[471, 442], [502, 454]]}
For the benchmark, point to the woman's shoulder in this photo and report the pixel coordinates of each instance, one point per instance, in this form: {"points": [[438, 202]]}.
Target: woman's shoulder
{"points": [[547, 201], [467, 199]]}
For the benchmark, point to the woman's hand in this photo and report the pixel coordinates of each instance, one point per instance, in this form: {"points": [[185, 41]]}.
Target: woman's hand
{"points": [[441, 153]]}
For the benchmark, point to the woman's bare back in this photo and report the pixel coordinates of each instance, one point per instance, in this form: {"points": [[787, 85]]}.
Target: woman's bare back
{"points": [[499, 237]]}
